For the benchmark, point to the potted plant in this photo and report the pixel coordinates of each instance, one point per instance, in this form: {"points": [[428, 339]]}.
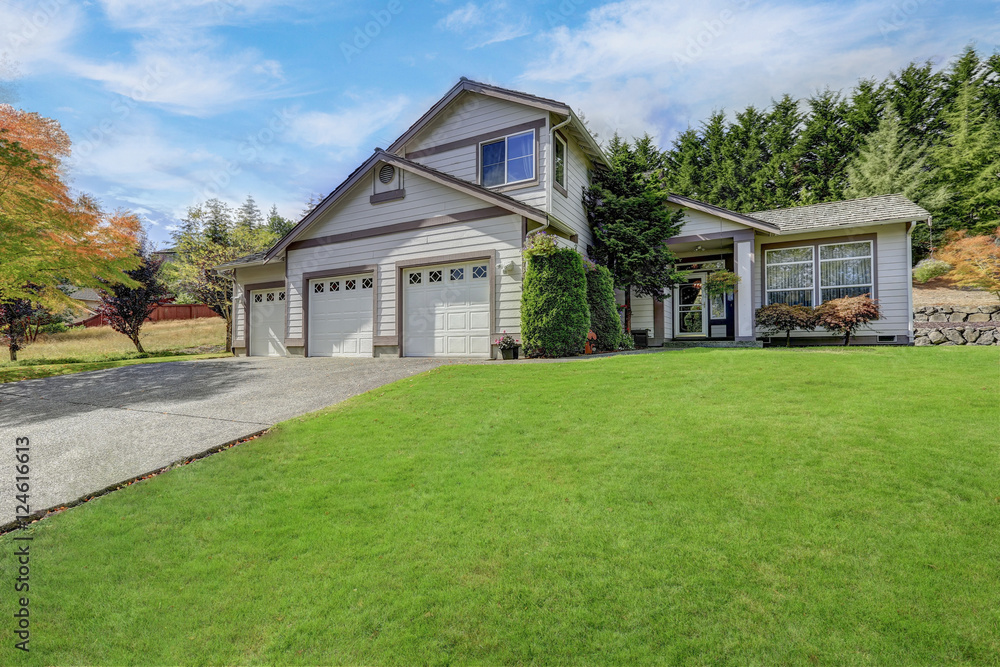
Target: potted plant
{"points": [[508, 346]]}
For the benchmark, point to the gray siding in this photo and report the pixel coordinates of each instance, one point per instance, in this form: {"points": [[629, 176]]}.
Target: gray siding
{"points": [[569, 208], [697, 222]]}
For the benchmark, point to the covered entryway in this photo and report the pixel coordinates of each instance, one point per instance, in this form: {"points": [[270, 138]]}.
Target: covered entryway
{"points": [[446, 310], [341, 313], [267, 322]]}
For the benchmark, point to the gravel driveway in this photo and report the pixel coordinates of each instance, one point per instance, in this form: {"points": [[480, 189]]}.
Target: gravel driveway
{"points": [[91, 430]]}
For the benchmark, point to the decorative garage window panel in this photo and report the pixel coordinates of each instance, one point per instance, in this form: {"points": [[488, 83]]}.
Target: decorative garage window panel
{"points": [[318, 288], [270, 296], [281, 296], [335, 286], [435, 276], [457, 274], [845, 269], [415, 278], [479, 272], [789, 276], [366, 283], [257, 298], [350, 284]]}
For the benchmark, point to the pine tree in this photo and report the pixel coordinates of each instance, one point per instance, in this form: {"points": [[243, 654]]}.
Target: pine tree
{"points": [[968, 162], [217, 220], [868, 101], [684, 165], [824, 148], [278, 224], [248, 215], [890, 162], [780, 174], [918, 94]]}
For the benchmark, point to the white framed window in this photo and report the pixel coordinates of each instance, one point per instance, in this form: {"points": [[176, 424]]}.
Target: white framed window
{"points": [[789, 275], [559, 164], [846, 269], [508, 160]]}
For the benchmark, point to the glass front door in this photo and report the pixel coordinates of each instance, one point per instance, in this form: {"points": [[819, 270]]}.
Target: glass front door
{"points": [[690, 318]]}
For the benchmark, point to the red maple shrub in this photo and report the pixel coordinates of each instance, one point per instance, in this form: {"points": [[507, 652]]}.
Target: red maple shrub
{"points": [[847, 315]]}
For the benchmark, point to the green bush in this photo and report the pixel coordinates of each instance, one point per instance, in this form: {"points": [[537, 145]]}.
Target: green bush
{"points": [[929, 269], [626, 341], [604, 320], [555, 318]]}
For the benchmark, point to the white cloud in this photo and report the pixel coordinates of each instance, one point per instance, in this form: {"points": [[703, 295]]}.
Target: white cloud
{"points": [[189, 14], [676, 62], [492, 22], [37, 34], [346, 131]]}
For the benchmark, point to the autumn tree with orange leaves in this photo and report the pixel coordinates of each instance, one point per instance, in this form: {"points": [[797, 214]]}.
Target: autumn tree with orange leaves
{"points": [[49, 238], [975, 260]]}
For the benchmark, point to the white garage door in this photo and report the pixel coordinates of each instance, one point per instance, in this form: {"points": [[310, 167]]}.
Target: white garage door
{"points": [[340, 316], [267, 322], [447, 311]]}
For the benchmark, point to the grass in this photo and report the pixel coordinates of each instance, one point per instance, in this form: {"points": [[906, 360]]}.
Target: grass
{"points": [[751, 507], [100, 347]]}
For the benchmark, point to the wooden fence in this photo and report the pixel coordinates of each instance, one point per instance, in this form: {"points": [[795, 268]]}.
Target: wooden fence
{"points": [[171, 311]]}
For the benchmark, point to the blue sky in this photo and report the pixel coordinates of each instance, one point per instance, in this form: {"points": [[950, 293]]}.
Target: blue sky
{"points": [[171, 102]]}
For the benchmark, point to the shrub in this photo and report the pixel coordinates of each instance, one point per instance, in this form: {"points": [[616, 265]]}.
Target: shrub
{"points": [[929, 269], [976, 260], [845, 316], [780, 317], [721, 282], [539, 245], [627, 342], [555, 318], [604, 320]]}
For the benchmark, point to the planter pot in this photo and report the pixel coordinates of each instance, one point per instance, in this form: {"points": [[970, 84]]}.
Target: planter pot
{"points": [[510, 353]]}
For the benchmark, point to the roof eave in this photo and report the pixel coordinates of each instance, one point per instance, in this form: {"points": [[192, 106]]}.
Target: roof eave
{"points": [[870, 223], [732, 216]]}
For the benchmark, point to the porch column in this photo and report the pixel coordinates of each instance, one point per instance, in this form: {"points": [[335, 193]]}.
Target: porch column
{"points": [[743, 260]]}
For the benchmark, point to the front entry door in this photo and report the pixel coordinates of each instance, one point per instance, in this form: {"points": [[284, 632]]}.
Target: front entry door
{"points": [[690, 318]]}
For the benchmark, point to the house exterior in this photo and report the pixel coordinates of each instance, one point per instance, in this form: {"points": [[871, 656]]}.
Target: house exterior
{"points": [[418, 251]]}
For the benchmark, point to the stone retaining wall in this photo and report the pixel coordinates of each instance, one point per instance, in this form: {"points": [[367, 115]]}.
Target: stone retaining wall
{"points": [[947, 325]]}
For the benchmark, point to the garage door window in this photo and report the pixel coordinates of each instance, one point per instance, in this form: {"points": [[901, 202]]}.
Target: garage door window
{"points": [[479, 272], [458, 274], [318, 288], [415, 278], [435, 276], [366, 283], [257, 298], [281, 296]]}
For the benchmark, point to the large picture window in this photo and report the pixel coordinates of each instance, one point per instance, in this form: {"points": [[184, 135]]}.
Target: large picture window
{"points": [[508, 160], [845, 269], [789, 276], [810, 275]]}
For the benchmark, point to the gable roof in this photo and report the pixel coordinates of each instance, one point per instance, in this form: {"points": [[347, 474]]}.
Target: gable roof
{"points": [[726, 214], [477, 191], [580, 132], [882, 209]]}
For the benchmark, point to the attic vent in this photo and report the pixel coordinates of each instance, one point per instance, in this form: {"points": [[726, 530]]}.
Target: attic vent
{"points": [[387, 173]]}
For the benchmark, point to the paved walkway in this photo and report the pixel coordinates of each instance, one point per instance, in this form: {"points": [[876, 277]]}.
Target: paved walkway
{"points": [[91, 430]]}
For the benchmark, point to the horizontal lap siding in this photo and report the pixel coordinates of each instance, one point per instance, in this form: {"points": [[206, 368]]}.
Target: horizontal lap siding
{"points": [[642, 314], [473, 115], [272, 272], [893, 286], [500, 234], [696, 222]]}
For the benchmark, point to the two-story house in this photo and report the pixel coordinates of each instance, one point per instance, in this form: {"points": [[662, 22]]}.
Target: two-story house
{"points": [[418, 252]]}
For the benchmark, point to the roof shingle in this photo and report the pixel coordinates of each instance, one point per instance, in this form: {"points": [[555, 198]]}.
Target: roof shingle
{"points": [[851, 213]]}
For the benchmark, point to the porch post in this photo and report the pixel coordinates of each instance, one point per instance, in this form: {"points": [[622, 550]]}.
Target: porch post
{"points": [[743, 259]]}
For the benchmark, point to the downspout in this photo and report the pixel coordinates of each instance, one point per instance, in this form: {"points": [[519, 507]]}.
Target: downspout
{"points": [[909, 286]]}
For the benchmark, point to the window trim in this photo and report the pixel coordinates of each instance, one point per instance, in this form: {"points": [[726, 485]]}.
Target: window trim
{"points": [[504, 138], [561, 188], [815, 244], [811, 260], [870, 256]]}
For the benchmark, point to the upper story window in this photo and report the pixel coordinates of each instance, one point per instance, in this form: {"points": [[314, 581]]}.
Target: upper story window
{"points": [[559, 165], [508, 160]]}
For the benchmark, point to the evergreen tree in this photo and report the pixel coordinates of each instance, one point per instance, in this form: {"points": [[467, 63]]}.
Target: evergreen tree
{"points": [[217, 220], [314, 201], [746, 157], [968, 163], [248, 215], [278, 225], [890, 162], [823, 149], [918, 95], [627, 208], [684, 165], [780, 173], [867, 104]]}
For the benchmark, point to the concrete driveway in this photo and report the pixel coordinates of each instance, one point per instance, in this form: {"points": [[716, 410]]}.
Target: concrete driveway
{"points": [[91, 430]]}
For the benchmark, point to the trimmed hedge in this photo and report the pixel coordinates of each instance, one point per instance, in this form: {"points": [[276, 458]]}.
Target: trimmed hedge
{"points": [[555, 318], [604, 320]]}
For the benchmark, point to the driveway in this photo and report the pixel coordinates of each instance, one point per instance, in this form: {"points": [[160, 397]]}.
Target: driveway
{"points": [[91, 430]]}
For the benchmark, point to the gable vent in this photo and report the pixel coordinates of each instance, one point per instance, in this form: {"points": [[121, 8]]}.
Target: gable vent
{"points": [[387, 173]]}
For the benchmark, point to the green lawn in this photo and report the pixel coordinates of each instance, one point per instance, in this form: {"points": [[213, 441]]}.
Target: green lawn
{"points": [[746, 507]]}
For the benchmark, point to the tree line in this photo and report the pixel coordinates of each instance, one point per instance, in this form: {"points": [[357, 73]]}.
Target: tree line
{"points": [[931, 134]]}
